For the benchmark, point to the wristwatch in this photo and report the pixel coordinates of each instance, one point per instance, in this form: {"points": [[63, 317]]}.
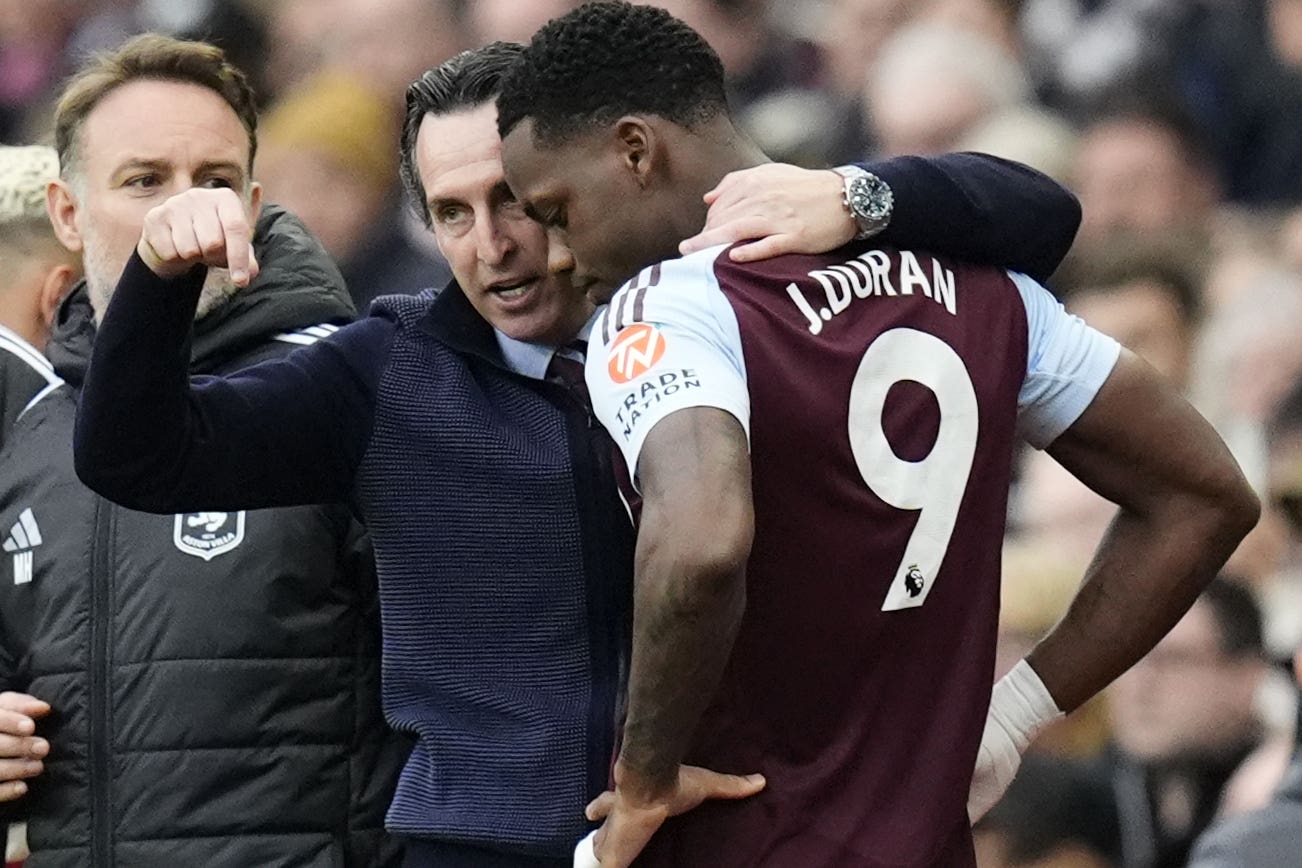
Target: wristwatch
{"points": [[868, 199]]}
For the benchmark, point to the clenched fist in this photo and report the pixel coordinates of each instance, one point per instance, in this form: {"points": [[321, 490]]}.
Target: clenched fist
{"points": [[202, 226]]}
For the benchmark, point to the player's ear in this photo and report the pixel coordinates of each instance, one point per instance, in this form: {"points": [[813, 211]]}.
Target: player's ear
{"points": [[636, 141]]}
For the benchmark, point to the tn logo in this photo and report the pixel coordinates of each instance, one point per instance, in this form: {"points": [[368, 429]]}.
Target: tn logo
{"points": [[635, 351]]}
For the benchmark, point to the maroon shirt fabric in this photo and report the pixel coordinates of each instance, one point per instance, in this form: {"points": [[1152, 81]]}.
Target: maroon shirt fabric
{"points": [[866, 723]]}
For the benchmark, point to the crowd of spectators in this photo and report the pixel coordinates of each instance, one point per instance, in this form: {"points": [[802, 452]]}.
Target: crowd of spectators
{"points": [[1174, 121]]}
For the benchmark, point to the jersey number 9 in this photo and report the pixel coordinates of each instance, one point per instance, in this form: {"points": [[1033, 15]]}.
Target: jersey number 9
{"points": [[933, 486]]}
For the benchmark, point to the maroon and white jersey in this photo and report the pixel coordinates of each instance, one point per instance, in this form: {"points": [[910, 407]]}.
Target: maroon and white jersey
{"points": [[883, 392]]}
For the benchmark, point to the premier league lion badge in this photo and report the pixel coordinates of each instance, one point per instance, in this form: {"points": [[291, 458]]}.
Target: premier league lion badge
{"points": [[208, 534]]}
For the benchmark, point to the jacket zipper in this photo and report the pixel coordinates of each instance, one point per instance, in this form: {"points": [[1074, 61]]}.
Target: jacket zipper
{"points": [[101, 618]]}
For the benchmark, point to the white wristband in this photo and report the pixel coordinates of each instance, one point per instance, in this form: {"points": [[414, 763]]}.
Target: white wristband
{"points": [[1022, 704]]}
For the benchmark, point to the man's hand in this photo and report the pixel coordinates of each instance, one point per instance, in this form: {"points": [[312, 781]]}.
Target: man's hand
{"points": [[20, 750], [200, 227], [632, 814], [789, 209]]}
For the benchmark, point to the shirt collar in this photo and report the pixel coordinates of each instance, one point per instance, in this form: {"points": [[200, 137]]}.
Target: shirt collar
{"points": [[531, 360], [524, 358]]}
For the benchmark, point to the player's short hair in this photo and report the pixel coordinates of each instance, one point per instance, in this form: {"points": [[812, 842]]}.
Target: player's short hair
{"points": [[608, 59], [150, 56], [1237, 617], [467, 81]]}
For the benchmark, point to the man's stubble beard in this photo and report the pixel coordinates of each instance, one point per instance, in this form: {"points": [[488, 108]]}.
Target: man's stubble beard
{"points": [[102, 279]]}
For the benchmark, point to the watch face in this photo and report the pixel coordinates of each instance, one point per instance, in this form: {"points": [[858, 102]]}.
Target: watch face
{"points": [[870, 198]]}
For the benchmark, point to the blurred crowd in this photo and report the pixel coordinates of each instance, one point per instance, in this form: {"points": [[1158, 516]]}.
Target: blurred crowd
{"points": [[1176, 122]]}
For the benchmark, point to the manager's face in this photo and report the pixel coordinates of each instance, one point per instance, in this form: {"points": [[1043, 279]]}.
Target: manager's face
{"points": [[501, 259]]}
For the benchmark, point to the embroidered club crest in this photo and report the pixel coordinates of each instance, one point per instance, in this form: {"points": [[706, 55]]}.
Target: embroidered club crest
{"points": [[208, 534]]}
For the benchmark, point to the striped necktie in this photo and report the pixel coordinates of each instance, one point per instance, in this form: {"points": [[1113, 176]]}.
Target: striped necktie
{"points": [[568, 372]]}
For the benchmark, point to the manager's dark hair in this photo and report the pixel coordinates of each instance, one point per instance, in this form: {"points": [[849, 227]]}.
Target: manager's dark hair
{"points": [[465, 82], [608, 59]]}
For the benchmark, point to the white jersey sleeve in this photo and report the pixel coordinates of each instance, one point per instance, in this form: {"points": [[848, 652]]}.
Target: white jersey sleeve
{"points": [[1067, 363], [668, 341]]}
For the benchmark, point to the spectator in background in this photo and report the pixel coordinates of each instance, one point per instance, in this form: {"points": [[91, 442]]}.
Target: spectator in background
{"points": [[1183, 719], [35, 274], [1146, 295], [852, 36], [995, 20], [32, 59], [510, 20], [933, 83], [1235, 66], [212, 678], [328, 156], [1038, 584], [389, 43], [759, 59], [1023, 131], [1270, 837], [1143, 167], [1290, 239], [1250, 356], [1028, 134], [1080, 49], [1285, 17], [1056, 814], [299, 34], [1282, 592], [384, 43]]}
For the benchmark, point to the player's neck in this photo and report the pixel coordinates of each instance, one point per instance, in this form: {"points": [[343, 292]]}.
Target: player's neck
{"points": [[722, 148], [717, 148]]}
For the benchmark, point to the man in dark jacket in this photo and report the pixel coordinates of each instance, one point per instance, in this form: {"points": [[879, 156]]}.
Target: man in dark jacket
{"points": [[1270, 837], [489, 491], [35, 274], [213, 676]]}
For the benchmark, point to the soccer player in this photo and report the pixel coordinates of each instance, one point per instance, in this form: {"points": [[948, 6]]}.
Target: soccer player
{"points": [[824, 448]]}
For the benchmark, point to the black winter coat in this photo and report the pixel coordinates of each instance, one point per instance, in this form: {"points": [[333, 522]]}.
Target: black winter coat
{"points": [[214, 676]]}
